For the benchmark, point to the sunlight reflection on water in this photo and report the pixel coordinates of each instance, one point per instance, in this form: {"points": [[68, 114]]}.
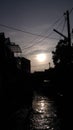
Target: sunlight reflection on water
{"points": [[43, 116]]}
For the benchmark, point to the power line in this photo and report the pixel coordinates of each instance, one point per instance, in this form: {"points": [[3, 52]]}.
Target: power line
{"points": [[45, 37], [63, 27], [39, 35], [40, 40], [23, 31], [70, 11], [27, 32]]}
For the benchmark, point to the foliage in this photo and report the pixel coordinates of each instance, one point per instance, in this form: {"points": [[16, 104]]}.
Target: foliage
{"points": [[63, 54]]}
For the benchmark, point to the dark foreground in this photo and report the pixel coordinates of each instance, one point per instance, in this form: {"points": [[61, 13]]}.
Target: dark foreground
{"points": [[33, 112]]}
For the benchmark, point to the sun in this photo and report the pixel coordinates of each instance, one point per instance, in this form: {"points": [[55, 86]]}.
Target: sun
{"points": [[41, 57]]}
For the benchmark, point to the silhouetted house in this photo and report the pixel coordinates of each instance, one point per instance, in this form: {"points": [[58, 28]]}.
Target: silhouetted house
{"points": [[7, 60], [15, 49], [2, 37], [5, 53], [23, 64], [10, 55]]}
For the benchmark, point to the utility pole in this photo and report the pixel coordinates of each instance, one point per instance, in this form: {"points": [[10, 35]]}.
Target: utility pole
{"points": [[68, 29], [60, 34]]}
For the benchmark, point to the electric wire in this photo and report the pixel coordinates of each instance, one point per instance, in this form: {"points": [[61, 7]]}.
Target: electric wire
{"points": [[27, 32], [37, 35], [41, 40], [63, 28], [71, 10]]}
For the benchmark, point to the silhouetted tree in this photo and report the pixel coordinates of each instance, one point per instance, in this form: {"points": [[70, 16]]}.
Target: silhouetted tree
{"points": [[63, 55], [63, 61]]}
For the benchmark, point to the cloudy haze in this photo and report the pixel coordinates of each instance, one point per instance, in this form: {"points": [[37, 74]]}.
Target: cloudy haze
{"points": [[36, 20]]}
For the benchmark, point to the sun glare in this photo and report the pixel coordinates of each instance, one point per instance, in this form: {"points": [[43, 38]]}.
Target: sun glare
{"points": [[41, 57]]}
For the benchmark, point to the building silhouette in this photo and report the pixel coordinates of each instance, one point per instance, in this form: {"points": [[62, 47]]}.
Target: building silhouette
{"points": [[11, 56]]}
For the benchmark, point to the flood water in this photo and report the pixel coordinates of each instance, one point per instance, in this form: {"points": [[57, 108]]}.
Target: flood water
{"points": [[44, 114]]}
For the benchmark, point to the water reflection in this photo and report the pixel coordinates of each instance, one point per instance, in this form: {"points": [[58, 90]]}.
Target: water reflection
{"points": [[44, 114]]}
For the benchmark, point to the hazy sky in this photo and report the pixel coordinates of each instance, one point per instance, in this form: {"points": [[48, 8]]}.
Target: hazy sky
{"points": [[37, 17]]}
